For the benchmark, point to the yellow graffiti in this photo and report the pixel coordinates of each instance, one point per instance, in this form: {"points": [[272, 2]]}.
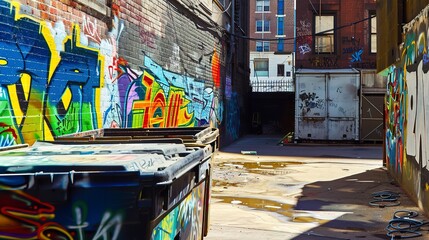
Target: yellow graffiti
{"points": [[155, 110]]}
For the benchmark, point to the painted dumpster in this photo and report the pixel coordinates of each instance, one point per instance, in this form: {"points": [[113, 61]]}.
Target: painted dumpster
{"points": [[327, 104], [105, 187]]}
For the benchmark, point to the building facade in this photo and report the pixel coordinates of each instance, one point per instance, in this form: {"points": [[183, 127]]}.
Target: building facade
{"points": [[271, 46], [404, 60], [77, 65], [338, 94]]}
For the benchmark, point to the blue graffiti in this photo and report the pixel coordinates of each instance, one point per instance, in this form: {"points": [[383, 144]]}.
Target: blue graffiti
{"points": [[357, 56]]}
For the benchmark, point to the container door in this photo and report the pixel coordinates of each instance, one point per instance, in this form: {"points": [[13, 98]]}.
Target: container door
{"points": [[342, 104], [311, 114]]}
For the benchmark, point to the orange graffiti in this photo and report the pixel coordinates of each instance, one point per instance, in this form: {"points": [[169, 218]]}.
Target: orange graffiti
{"points": [[216, 69], [155, 110]]}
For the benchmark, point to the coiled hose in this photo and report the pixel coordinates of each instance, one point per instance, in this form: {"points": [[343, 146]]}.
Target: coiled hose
{"points": [[385, 199], [403, 225]]}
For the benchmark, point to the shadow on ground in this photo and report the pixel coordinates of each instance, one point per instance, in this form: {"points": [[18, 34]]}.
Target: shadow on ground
{"points": [[352, 196], [270, 146]]}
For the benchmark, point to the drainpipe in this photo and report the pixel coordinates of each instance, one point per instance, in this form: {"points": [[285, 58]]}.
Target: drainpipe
{"points": [[294, 44], [231, 41]]}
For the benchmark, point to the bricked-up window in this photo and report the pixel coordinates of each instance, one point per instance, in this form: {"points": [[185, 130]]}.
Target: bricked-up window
{"points": [[101, 7], [261, 67], [324, 38], [373, 34]]}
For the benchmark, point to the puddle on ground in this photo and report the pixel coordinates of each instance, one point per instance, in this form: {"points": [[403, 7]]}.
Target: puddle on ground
{"points": [[218, 183], [272, 206], [265, 168]]}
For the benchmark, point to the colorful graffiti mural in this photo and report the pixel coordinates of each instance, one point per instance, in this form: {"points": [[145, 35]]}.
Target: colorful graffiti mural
{"points": [[160, 98], [185, 220], [406, 112], [57, 81], [25, 216]]}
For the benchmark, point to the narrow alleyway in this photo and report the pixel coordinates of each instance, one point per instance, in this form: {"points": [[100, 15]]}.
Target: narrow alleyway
{"points": [[262, 190]]}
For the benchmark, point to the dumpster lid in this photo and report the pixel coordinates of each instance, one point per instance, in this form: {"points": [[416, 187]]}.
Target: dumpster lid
{"points": [[44, 156]]}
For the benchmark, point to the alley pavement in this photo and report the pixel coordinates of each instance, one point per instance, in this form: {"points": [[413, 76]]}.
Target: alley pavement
{"points": [[263, 190]]}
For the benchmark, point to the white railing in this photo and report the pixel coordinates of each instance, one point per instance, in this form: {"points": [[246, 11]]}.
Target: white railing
{"points": [[273, 85]]}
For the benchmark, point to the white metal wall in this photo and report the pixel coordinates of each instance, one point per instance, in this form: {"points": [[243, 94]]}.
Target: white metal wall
{"points": [[327, 105], [272, 83]]}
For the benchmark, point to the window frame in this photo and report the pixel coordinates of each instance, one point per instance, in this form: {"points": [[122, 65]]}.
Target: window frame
{"points": [[264, 71], [263, 7], [282, 26], [264, 46], [264, 23], [280, 7], [326, 34], [280, 45], [279, 72], [372, 32]]}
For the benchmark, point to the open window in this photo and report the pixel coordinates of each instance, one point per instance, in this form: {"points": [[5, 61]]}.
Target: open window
{"points": [[324, 34]]}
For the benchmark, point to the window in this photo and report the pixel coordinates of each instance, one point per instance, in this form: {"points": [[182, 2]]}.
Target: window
{"points": [[101, 7], [280, 45], [261, 67], [280, 70], [262, 26], [280, 7], [262, 46], [288, 74], [324, 39], [280, 26], [373, 33], [262, 5]]}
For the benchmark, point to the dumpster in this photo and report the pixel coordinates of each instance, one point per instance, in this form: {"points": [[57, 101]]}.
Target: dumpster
{"points": [[94, 186]]}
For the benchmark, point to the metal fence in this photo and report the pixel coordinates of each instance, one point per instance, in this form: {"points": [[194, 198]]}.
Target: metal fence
{"points": [[273, 85]]}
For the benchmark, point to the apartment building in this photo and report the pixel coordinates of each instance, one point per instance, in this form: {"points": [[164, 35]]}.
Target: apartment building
{"points": [[271, 46]]}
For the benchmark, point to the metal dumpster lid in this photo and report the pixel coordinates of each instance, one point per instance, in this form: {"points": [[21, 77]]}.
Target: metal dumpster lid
{"points": [[91, 157], [166, 149]]}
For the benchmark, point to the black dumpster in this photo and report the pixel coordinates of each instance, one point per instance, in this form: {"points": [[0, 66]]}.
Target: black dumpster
{"points": [[105, 187]]}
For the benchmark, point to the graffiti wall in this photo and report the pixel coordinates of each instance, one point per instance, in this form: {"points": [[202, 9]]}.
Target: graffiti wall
{"points": [[407, 112], [59, 78]]}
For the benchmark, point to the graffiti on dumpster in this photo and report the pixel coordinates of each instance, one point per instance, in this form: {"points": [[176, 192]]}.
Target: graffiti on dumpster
{"points": [[186, 219], [25, 217]]}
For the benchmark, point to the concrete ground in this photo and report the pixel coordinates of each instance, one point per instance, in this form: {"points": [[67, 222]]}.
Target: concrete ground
{"points": [[262, 190]]}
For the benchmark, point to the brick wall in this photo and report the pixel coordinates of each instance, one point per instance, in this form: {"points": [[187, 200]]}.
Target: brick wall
{"points": [[141, 64], [352, 46]]}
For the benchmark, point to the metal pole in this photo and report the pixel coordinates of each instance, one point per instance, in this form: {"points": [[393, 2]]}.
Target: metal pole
{"points": [[294, 44], [231, 42]]}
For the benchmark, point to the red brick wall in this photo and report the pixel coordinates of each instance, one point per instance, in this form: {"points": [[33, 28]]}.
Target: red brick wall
{"points": [[352, 46]]}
